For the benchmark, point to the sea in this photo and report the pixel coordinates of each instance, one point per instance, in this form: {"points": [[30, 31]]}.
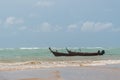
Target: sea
{"points": [[34, 58]]}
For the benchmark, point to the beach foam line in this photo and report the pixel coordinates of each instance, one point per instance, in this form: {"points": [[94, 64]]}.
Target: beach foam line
{"points": [[102, 62], [53, 64]]}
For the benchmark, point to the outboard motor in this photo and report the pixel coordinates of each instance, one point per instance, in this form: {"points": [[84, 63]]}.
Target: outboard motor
{"points": [[102, 52]]}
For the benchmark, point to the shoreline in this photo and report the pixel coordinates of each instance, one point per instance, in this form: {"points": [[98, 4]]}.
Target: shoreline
{"points": [[109, 72]]}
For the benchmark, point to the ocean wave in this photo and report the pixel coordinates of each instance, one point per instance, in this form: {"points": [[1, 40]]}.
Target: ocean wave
{"points": [[25, 48], [53, 64], [93, 47], [22, 48], [102, 62], [7, 49]]}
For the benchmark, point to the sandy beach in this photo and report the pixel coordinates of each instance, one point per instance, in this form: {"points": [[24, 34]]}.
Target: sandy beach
{"points": [[67, 73]]}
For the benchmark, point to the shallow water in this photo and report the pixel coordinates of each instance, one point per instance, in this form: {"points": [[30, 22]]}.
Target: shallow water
{"points": [[25, 58]]}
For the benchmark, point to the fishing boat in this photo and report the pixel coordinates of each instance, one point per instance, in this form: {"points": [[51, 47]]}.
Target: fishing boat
{"points": [[86, 53], [56, 53], [71, 53]]}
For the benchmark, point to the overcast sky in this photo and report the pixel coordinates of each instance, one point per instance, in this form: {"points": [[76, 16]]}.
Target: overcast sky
{"points": [[59, 23]]}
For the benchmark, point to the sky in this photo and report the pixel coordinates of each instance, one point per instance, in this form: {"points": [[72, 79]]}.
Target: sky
{"points": [[59, 23]]}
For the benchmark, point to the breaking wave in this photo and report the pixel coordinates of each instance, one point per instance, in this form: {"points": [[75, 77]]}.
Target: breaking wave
{"points": [[53, 64], [24, 48]]}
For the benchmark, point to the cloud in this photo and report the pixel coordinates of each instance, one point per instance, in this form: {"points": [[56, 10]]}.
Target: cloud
{"points": [[46, 27], [72, 27], [95, 27], [43, 3], [13, 20]]}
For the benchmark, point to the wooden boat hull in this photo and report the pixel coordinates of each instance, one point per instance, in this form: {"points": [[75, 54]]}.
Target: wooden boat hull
{"points": [[86, 53], [58, 53], [61, 54]]}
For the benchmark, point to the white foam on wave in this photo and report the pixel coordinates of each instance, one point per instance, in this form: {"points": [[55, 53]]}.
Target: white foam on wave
{"points": [[93, 47], [102, 62], [25, 48], [7, 49], [53, 64], [34, 65]]}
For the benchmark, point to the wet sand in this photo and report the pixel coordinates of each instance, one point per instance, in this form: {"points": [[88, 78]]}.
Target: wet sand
{"points": [[68, 73]]}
